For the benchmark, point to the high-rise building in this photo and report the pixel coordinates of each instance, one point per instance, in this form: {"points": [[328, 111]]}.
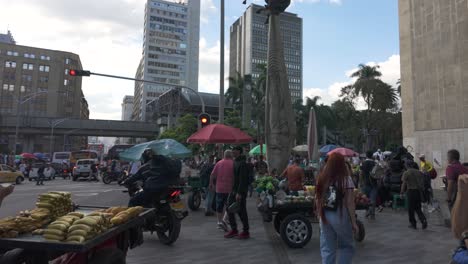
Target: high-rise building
{"points": [[170, 51], [434, 77], [39, 79], [249, 46], [127, 108]]}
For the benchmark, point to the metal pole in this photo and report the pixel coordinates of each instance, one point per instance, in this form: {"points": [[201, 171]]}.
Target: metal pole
{"points": [[18, 108], [221, 67], [51, 140]]}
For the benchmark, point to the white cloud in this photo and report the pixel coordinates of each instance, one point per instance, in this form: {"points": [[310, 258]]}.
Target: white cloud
{"points": [[389, 68], [208, 79], [207, 9]]}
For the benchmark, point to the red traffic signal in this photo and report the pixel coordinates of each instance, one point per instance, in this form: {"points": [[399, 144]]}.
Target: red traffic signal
{"points": [[74, 72], [204, 119]]}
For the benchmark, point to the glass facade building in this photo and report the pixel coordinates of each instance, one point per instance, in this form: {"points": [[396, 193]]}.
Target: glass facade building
{"points": [[170, 51], [249, 46]]}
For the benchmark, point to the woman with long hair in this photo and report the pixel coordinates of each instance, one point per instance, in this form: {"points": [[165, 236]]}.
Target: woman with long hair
{"points": [[336, 210]]}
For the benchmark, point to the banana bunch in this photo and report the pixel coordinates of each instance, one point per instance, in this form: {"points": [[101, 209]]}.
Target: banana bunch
{"points": [[58, 230], [125, 216], [114, 210], [8, 228], [58, 203], [88, 227]]}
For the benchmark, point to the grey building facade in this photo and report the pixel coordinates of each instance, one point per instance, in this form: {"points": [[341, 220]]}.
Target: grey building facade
{"points": [[249, 46], [434, 77], [170, 51]]}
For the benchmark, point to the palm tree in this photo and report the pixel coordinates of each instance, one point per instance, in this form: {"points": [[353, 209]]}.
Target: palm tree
{"points": [[399, 87], [384, 97], [367, 78], [234, 92]]}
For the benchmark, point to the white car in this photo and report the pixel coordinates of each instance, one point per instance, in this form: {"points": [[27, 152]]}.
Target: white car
{"points": [[49, 173], [83, 169]]}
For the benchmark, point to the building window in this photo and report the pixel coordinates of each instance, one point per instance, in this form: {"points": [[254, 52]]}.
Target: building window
{"points": [[28, 66], [43, 79], [67, 61], [12, 87], [12, 53], [5, 87], [66, 71], [44, 68], [65, 82], [22, 89], [44, 57], [10, 64]]}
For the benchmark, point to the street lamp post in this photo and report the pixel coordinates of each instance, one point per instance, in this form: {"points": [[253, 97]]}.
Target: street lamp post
{"points": [[53, 124], [18, 108]]}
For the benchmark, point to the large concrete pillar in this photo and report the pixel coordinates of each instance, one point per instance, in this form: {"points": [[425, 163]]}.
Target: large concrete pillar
{"points": [[434, 77]]}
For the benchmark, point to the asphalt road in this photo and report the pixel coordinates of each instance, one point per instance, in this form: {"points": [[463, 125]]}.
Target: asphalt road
{"points": [[388, 240]]}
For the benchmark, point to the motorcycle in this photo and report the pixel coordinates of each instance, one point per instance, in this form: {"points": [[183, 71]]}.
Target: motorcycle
{"points": [[108, 177], [169, 213], [65, 174]]}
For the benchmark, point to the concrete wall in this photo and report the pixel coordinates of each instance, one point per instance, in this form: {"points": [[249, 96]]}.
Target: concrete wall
{"points": [[434, 76]]}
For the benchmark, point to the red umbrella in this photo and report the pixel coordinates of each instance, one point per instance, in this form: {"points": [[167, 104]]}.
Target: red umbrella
{"points": [[344, 151], [218, 133], [28, 156]]}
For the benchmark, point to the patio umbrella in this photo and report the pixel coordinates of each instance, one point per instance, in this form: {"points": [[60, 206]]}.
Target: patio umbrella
{"points": [[39, 155], [165, 147], [327, 148], [301, 149], [218, 133], [312, 141], [256, 150], [28, 156], [344, 151], [18, 157]]}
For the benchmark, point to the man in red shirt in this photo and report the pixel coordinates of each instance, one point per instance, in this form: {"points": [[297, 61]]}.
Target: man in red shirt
{"points": [[295, 175], [454, 169]]}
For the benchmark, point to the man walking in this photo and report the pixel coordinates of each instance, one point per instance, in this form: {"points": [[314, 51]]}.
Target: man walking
{"points": [[454, 169], [239, 195], [40, 175], [369, 185], [413, 184], [221, 181]]}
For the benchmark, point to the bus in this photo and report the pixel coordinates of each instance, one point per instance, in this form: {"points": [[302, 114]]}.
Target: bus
{"points": [[84, 154], [115, 150], [60, 157], [98, 147]]}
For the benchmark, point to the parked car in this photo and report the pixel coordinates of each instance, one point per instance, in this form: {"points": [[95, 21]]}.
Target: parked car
{"points": [[83, 169], [8, 174], [49, 174]]}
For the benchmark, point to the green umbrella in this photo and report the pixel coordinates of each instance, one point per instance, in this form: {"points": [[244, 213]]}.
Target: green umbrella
{"points": [[165, 147], [18, 157], [256, 150]]}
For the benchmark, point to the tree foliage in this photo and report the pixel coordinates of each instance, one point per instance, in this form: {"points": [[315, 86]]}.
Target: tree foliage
{"points": [[186, 126]]}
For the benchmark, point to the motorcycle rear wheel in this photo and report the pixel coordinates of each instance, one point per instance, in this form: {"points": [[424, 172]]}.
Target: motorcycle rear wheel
{"points": [[106, 179], [171, 230]]}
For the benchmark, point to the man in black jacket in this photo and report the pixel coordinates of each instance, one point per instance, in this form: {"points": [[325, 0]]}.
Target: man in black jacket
{"points": [[239, 195], [156, 173], [40, 175]]}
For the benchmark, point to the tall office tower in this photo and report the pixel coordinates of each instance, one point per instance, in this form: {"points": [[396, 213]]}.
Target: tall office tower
{"points": [[249, 46], [170, 51]]}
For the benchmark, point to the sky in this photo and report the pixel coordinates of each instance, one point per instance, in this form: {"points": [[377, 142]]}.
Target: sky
{"points": [[107, 34]]}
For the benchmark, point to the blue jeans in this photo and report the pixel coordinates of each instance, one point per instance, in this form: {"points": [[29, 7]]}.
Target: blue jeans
{"points": [[337, 236], [371, 192], [210, 195]]}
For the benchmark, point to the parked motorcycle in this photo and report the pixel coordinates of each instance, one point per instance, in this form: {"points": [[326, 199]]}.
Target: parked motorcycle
{"points": [[169, 212], [108, 177]]}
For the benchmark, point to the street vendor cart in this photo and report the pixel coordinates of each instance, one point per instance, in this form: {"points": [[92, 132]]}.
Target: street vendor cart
{"points": [[293, 217], [108, 247]]}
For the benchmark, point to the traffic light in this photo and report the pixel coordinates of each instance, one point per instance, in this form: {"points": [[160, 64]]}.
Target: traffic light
{"points": [[74, 72], [205, 119]]}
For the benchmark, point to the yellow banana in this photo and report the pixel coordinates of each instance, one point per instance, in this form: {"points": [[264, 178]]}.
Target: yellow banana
{"points": [[53, 237], [53, 232], [77, 232], [83, 227]]}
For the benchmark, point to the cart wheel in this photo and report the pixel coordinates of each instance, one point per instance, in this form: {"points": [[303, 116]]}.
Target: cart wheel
{"points": [[194, 200], [108, 256], [277, 222], [296, 230], [361, 234]]}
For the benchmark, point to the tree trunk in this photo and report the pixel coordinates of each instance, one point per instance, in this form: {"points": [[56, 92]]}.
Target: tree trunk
{"points": [[280, 125]]}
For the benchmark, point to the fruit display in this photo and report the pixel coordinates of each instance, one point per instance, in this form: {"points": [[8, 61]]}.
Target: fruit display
{"points": [[88, 227], [126, 215], [266, 183], [25, 222], [8, 228], [58, 203], [360, 198], [58, 230]]}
